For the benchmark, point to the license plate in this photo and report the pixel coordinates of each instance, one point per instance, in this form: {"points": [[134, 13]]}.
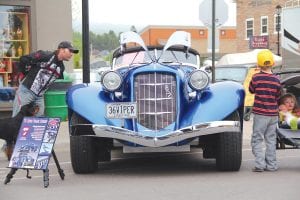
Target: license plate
{"points": [[121, 110]]}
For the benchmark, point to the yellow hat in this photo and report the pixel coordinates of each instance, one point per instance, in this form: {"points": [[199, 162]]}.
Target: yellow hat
{"points": [[265, 58]]}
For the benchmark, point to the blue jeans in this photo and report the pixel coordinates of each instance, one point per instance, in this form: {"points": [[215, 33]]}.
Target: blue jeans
{"points": [[264, 130], [25, 96]]}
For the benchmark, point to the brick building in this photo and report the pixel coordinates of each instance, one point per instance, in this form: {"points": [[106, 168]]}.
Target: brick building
{"points": [[257, 18], [256, 24], [158, 35]]}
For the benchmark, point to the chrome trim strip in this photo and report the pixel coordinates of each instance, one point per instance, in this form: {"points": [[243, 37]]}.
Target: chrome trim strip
{"points": [[173, 137], [182, 148]]}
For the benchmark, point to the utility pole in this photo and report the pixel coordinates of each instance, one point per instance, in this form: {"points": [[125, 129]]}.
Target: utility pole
{"points": [[213, 28], [85, 42], [278, 17]]}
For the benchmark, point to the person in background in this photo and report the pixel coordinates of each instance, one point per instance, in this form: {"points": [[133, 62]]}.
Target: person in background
{"points": [[289, 111], [40, 69], [267, 90]]}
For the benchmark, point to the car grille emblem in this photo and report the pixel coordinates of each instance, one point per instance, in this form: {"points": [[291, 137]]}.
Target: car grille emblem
{"points": [[168, 92]]}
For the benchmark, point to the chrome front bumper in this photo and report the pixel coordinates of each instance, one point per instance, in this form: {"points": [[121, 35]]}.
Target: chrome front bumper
{"points": [[173, 137]]}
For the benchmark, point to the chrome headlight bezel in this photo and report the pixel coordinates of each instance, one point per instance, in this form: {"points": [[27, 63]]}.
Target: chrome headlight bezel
{"points": [[198, 80], [111, 80]]}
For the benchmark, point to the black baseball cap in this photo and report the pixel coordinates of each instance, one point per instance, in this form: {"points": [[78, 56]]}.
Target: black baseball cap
{"points": [[67, 45]]}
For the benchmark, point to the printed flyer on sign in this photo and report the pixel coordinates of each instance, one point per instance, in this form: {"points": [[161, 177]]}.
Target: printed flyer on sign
{"points": [[35, 142]]}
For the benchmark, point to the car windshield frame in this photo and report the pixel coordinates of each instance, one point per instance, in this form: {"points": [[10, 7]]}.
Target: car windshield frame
{"points": [[137, 56]]}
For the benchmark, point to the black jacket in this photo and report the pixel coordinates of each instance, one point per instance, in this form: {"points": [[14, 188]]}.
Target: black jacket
{"points": [[41, 69]]}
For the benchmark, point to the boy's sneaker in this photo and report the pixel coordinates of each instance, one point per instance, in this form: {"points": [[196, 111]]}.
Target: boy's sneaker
{"points": [[256, 169], [270, 170]]}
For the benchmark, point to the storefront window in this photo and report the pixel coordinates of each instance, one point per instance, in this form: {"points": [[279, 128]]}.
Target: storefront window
{"points": [[14, 42]]}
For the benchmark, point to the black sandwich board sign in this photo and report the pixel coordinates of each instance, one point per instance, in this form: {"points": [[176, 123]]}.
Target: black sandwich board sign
{"points": [[35, 142], [34, 147]]}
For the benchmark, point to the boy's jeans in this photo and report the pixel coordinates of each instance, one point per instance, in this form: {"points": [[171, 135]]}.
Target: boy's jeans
{"points": [[25, 96], [264, 129]]}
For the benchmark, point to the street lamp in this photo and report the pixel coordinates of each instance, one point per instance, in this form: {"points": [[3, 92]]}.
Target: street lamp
{"points": [[278, 19]]}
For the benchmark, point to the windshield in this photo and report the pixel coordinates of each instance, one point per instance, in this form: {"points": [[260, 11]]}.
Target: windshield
{"points": [[230, 73], [128, 59], [177, 56], [141, 57]]}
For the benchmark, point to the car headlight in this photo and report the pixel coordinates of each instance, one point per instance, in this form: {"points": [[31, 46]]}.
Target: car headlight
{"points": [[198, 80], [111, 80]]}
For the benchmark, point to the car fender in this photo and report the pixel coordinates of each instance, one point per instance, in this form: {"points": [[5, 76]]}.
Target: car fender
{"points": [[220, 100], [86, 99]]}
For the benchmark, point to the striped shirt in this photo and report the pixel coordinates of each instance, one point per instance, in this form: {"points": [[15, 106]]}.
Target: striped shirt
{"points": [[266, 88]]}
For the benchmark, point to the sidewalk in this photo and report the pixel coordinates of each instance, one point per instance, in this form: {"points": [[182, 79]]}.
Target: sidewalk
{"points": [[62, 139]]}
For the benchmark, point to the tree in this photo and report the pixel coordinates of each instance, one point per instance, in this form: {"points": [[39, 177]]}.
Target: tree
{"points": [[77, 42], [106, 41]]}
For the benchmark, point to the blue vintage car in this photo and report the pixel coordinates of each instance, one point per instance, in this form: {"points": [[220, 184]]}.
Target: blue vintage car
{"points": [[155, 99]]}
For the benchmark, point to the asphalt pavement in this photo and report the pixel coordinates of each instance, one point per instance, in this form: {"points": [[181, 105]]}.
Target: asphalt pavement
{"points": [[169, 176], [62, 140]]}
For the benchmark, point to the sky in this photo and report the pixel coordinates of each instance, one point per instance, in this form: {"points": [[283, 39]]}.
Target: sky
{"points": [[148, 12]]}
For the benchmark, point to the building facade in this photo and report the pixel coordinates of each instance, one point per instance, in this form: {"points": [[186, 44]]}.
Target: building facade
{"points": [[158, 35], [40, 24], [27, 26], [258, 25]]}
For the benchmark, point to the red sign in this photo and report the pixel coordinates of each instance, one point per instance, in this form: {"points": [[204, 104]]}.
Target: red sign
{"points": [[259, 42]]}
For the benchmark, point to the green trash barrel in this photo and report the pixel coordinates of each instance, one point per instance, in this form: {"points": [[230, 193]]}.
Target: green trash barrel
{"points": [[55, 104]]}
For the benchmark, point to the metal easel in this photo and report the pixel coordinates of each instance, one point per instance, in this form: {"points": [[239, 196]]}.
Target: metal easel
{"points": [[61, 173]]}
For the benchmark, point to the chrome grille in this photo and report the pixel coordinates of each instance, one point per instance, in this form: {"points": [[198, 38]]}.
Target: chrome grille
{"points": [[155, 94]]}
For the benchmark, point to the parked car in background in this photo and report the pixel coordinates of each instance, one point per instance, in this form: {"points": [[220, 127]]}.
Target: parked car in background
{"points": [[95, 75], [241, 73], [98, 63], [155, 99]]}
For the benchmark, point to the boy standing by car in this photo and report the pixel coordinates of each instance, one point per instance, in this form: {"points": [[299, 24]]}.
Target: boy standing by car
{"points": [[266, 88]]}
